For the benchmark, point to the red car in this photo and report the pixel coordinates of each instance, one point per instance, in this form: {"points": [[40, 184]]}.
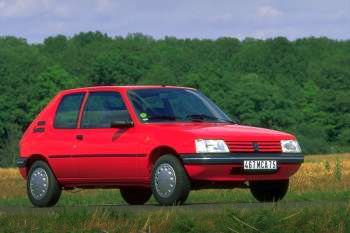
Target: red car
{"points": [[146, 140]]}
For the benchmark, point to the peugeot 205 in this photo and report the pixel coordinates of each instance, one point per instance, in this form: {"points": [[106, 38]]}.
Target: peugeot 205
{"points": [[146, 140]]}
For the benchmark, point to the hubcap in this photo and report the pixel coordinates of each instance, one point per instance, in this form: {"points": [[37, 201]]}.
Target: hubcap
{"points": [[39, 183], [165, 180]]}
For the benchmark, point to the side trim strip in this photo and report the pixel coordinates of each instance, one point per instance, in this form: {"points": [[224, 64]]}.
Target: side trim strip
{"points": [[58, 156], [95, 156]]}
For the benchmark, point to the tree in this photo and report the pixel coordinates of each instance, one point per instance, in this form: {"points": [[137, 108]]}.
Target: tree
{"points": [[47, 85], [299, 86], [117, 68]]}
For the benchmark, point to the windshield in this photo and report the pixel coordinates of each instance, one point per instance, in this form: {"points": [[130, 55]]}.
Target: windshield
{"points": [[175, 104]]}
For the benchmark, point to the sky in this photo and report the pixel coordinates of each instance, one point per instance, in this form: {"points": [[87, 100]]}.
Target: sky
{"points": [[36, 20]]}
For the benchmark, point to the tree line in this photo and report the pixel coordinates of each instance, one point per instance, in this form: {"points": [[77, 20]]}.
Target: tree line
{"points": [[301, 86]]}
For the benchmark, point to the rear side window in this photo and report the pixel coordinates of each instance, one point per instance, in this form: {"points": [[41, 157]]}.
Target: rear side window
{"points": [[68, 111], [102, 108]]}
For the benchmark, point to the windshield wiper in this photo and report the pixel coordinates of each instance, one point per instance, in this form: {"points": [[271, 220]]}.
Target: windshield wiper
{"points": [[163, 117], [202, 117]]}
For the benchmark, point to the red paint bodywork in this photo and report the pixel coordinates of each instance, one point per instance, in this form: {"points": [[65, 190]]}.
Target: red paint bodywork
{"points": [[90, 162]]}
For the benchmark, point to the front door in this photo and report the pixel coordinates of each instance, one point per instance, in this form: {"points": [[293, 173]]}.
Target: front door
{"points": [[106, 154]]}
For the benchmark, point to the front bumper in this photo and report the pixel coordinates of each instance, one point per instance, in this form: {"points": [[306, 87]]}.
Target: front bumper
{"points": [[228, 167], [238, 158]]}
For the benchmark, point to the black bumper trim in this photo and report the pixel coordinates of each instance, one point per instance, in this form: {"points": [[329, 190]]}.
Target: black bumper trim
{"points": [[238, 158], [21, 162]]}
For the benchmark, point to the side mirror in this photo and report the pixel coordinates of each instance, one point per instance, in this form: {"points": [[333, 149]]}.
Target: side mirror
{"points": [[122, 124]]}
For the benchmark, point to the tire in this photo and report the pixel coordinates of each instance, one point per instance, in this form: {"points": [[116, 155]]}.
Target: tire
{"points": [[179, 186], [269, 191], [50, 195], [136, 195]]}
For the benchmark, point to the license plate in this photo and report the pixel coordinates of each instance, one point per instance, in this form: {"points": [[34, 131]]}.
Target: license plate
{"points": [[260, 165]]}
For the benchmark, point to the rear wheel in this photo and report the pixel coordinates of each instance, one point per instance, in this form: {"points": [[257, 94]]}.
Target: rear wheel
{"points": [[43, 189], [170, 184], [136, 195], [269, 191]]}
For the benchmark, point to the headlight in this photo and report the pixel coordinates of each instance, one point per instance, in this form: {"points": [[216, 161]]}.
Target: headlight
{"points": [[290, 146], [211, 146]]}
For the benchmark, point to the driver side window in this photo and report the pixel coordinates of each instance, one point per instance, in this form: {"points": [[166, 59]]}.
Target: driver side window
{"points": [[102, 108]]}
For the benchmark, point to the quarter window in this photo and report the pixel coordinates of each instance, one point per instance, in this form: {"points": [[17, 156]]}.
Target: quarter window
{"points": [[68, 111], [102, 108]]}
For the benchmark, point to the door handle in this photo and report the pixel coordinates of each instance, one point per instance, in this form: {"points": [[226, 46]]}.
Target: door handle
{"points": [[79, 137]]}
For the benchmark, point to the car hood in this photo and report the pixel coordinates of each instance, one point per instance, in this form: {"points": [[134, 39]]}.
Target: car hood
{"points": [[223, 131]]}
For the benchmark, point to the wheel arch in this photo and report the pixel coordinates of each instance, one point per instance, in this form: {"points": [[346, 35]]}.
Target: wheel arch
{"points": [[159, 151], [36, 157]]}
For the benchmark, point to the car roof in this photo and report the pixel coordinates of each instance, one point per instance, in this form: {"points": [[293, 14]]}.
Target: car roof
{"points": [[111, 87]]}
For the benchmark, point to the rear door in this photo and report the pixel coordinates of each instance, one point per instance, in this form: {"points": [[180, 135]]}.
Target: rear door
{"points": [[61, 143], [106, 154]]}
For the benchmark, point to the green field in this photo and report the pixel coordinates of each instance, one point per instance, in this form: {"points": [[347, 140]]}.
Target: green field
{"points": [[321, 189]]}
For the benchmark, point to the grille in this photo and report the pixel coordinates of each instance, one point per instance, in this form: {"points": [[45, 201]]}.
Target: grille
{"points": [[264, 146]]}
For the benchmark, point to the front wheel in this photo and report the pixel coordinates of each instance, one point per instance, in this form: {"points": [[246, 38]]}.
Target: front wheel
{"points": [[43, 189], [269, 191], [136, 195], [170, 183]]}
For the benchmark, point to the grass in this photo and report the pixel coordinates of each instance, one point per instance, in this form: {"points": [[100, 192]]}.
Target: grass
{"points": [[322, 178], [270, 219]]}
